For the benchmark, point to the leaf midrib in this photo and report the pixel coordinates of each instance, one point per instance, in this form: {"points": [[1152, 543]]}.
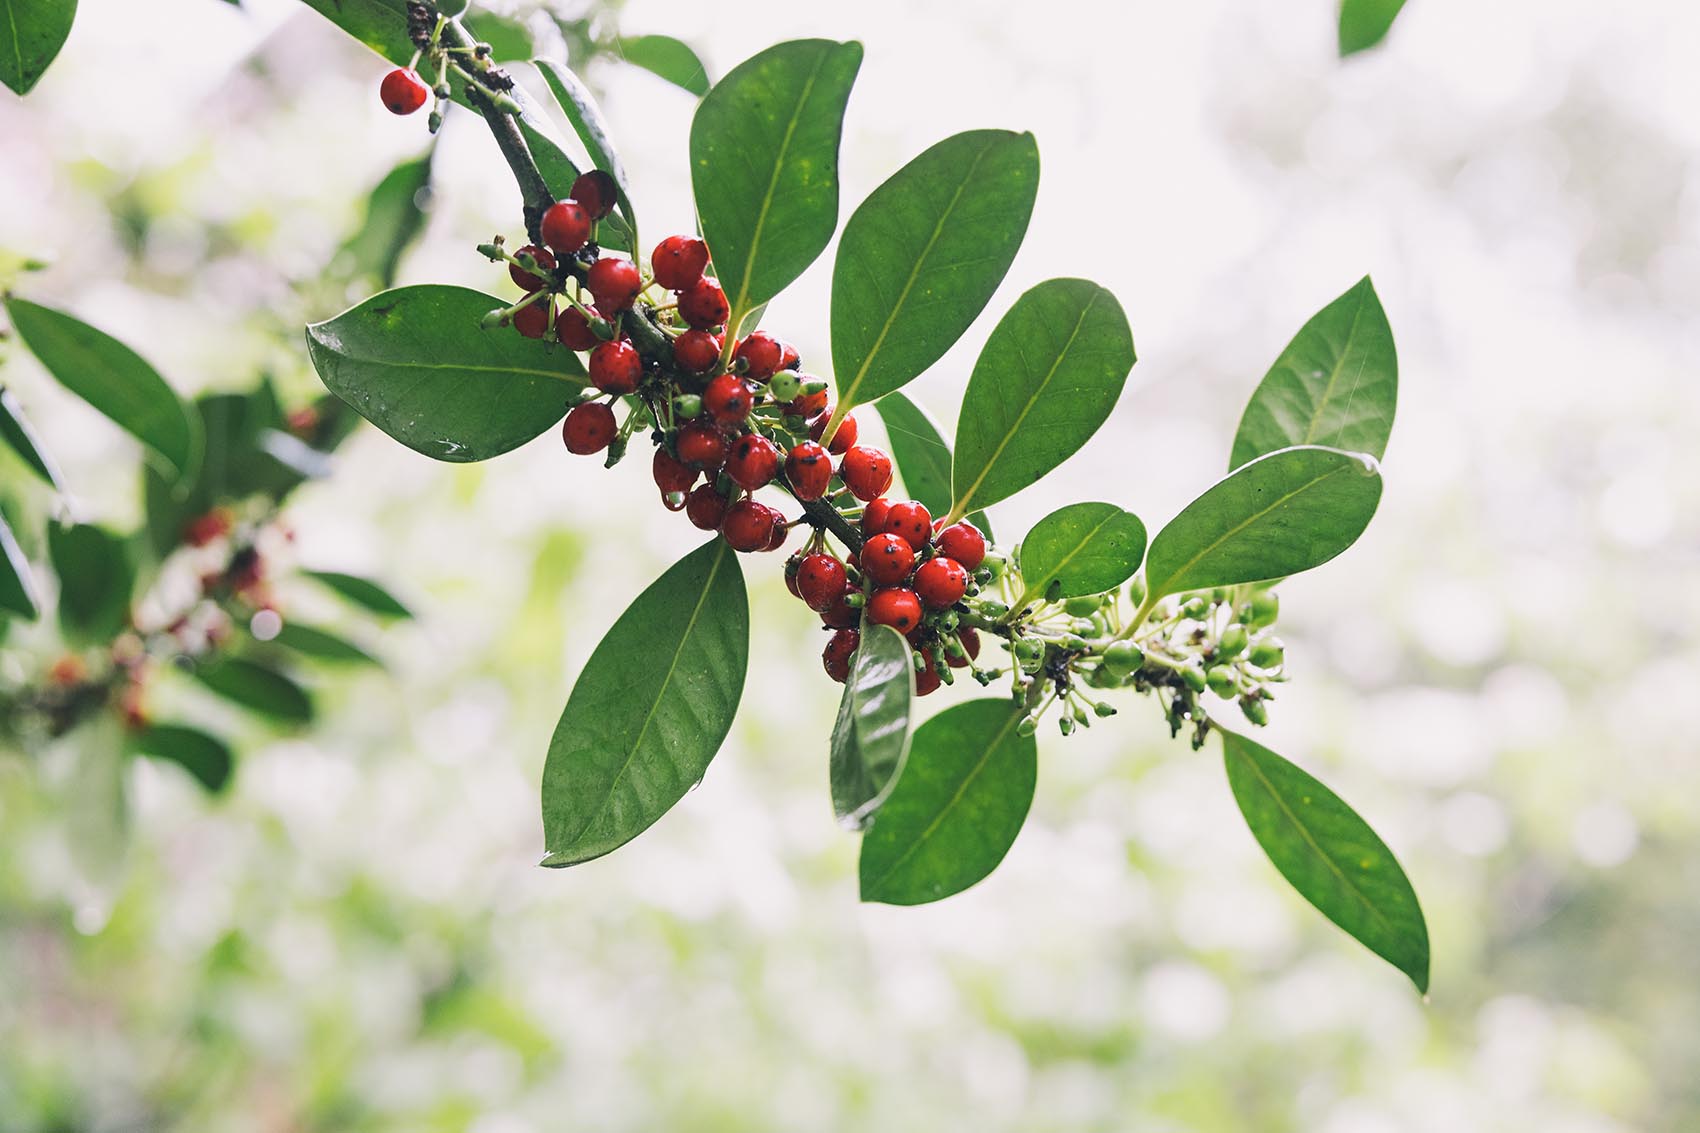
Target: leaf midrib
{"points": [[1069, 558], [1334, 375]]}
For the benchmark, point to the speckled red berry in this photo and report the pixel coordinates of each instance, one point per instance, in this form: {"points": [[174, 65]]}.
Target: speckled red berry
{"points": [[403, 91], [963, 542], [941, 582], [753, 461], [696, 351], [912, 520], [614, 282], [820, 580], [843, 440], [866, 472], [927, 679], [809, 469], [705, 507], [748, 525], [573, 329], [789, 359], [874, 515], [701, 446], [589, 428], [836, 657], [703, 304], [808, 405], [760, 353], [895, 607], [678, 261], [533, 321], [616, 367], [596, 193], [887, 559], [729, 399], [566, 227], [970, 648], [781, 531], [524, 279], [841, 614], [671, 474]]}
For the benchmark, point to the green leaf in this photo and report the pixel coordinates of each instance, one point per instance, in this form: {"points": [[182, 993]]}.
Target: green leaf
{"points": [[1080, 549], [394, 219], [259, 688], [96, 578], [17, 591], [1365, 23], [31, 34], [415, 363], [922, 455], [207, 758], [921, 257], [650, 710], [1281, 514], [510, 40], [114, 379], [665, 56], [1048, 377], [363, 592], [15, 430], [379, 24], [581, 109], [870, 740], [322, 645], [1329, 855], [957, 807], [560, 171], [1335, 384], [764, 165]]}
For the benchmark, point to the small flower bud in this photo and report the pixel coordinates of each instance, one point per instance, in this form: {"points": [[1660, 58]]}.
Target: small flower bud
{"points": [[1254, 710], [1232, 642], [1193, 674], [1083, 606], [1221, 682], [1267, 653]]}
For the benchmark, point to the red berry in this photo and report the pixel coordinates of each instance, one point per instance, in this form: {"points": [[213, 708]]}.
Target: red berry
{"points": [[573, 329], [701, 446], [895, 607], [910, 519], [887, 559], [696, 351], [865, 471], [843, 440], [616, 367], [840, 647], [403, 91], [533, 321], [705, 507], [788, 357], [927, 678], [566, 227], [728, 399], [589, 428], [203, 529], [820, 580], [703, 304], [678, 261], [963, 542], [970, 647], [808, 405], [748, 525], [809, 469], [524, 279], [941, 582], [873, 516], [596, 193], [781, 531], [671, 474], [754, 461], [841, 614], [792, 566], [614, 282], [760, 353]]}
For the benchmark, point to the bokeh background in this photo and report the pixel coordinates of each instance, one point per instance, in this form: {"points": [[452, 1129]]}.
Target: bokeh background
{"points": [[1503, 676]]}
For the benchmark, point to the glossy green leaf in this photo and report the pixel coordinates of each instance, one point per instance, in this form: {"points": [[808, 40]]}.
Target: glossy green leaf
{"points": [[1046, 380], [363, 592], [1080, 549], [1329, 854], [415, 363], [650, 710], [922, 455], [379, 24], [206, 757], [322, 645], [394, 219], [870, 739], [259, 688], [31, 34], [921, 257], [581, 109], [15, 430], [764, 165], [665, 56], [17, 590], [96, 578], [509, 39], [957, 807], [1281, 514], [1365, 23], [1335, 384], [115, 380]]}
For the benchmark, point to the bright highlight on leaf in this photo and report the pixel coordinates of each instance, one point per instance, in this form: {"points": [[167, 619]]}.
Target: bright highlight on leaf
{"points": [[17, 591], [870, 741], [15, 430]]}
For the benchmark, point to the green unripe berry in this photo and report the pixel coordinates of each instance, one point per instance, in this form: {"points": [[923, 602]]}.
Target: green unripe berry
{"points": [[784, 386], [1083, 606], [1028, 652], [1265, 608], [1136, 590], [687, 406], [1254, 710], [1066, 723], [994, 564], [1085, 627], [1102, 709], [855, 600], [992, 608], [1267, 653], [814, 387], [1073, 641], [1232, 642], [1028, 725], [1193, 674], [947, 621], [1123, 657], [1196, 607], [1221, 682]]}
